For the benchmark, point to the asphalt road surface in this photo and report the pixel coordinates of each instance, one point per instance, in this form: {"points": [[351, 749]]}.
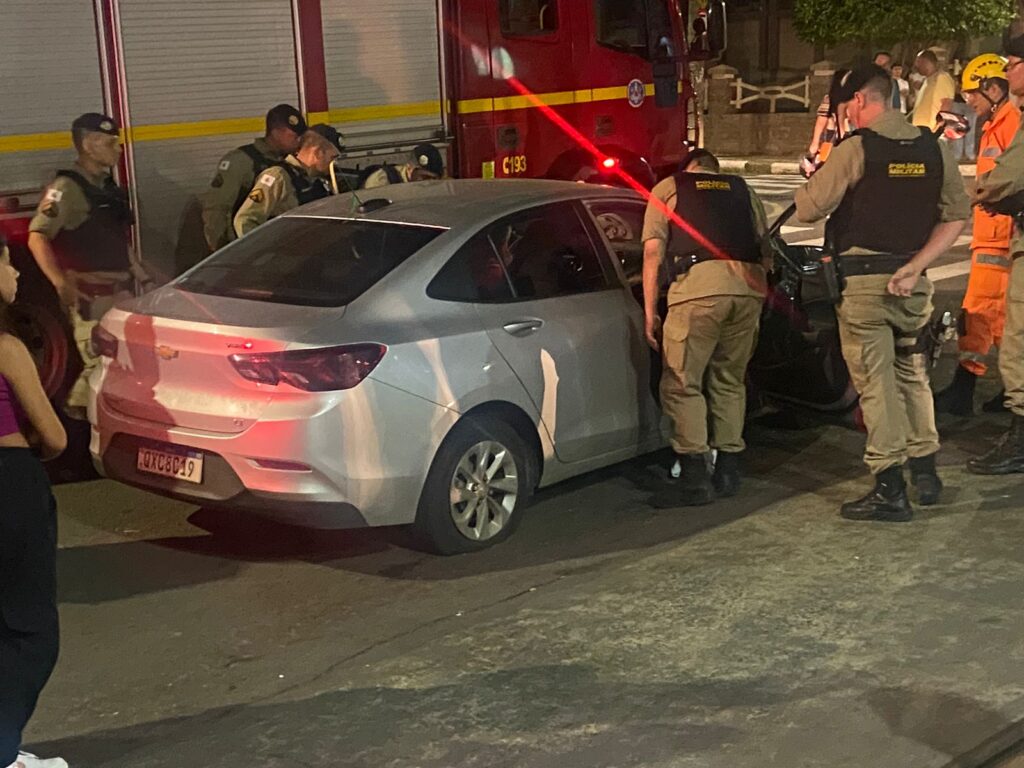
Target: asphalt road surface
{"points": [[760, 632]]}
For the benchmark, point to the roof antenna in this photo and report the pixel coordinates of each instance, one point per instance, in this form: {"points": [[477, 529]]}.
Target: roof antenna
{"points": [[357, 202]]}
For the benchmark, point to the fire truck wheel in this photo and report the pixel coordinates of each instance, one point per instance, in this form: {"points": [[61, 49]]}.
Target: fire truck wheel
{"points": [[477, 487], [46, 333]]}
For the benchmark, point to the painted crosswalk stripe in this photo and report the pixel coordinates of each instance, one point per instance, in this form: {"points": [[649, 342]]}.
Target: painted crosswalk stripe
{"points": [[949, 271]]}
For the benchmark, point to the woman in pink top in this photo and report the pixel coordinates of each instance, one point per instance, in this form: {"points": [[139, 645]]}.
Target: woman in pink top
{"points": [[29, 429]]}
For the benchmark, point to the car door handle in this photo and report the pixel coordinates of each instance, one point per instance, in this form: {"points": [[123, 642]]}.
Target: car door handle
{"points": [[523, 327]]}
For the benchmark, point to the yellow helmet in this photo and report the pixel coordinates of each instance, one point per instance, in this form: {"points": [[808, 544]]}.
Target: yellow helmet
{"points": [[982, 68]]}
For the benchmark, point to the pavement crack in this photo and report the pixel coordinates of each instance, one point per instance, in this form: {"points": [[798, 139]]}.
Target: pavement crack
{"points": [[339, 663]]}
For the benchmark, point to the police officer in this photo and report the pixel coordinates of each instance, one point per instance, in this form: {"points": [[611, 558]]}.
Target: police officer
{"points": [[425, 163], [239, 168], [1000, 190], [296, 181], [331, 183], [79, 235], [709, 230], [984, 307], [888, 165]]}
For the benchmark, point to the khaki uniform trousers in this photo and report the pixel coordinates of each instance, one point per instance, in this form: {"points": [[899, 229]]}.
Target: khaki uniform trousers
{"points": [[707, 344], [895, 395], [1011, 353], [116, 288]]}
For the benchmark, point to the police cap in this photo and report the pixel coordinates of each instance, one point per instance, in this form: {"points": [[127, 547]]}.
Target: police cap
{"points": [[286, 116], [1015, 47], [330, 133], [94, 122], [427, 157], [856, 79]]}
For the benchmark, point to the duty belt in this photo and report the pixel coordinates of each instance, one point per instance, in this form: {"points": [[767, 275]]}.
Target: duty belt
{"points": [[682, 263], [875, 264]]}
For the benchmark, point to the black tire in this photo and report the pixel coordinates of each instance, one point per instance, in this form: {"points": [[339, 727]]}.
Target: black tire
{"points": [[435, 526], [45, 330]]}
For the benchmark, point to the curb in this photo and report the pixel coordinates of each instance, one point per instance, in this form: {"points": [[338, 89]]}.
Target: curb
{"points": [[992, 752], [786, 168]]}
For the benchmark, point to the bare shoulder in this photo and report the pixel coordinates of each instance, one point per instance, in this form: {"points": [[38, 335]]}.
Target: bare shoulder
{"points": [[13, 353]]}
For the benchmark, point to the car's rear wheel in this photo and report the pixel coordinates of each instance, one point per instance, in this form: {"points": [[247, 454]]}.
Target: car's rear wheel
{"points": [[477, 487]]}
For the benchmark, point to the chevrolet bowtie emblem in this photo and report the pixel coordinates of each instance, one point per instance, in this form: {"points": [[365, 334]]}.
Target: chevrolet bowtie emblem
{"points": [[166, 353]]}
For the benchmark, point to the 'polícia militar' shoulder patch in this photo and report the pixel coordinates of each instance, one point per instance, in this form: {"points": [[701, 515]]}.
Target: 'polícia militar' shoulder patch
{"points": [[257, 196]]}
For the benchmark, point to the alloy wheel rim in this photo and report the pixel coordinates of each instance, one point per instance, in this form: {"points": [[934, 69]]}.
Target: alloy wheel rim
{"points": [[484, 491]]}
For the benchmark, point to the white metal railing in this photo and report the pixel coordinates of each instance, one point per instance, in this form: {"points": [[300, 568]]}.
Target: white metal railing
{"points": [[800, 92]]}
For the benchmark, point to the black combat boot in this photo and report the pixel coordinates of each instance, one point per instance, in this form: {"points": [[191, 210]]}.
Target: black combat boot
{"points": [[1007, 457], [926, 480], [726, 479], [958, 397], [887, 503], [997, 404], [693, 489]]}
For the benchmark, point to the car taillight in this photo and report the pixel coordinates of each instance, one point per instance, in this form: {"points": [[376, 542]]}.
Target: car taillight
{"points": [[104, 343], [313, 370]]}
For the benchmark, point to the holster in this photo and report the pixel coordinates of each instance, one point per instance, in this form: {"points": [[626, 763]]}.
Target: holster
{"points": [[929, 340], [680, 264], [832, 277]]}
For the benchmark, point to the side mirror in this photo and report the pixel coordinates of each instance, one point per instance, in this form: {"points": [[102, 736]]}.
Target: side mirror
{"points": [[718, 37], [666, 83]]}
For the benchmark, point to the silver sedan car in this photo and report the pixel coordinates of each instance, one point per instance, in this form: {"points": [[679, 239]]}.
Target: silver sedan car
{"points": [[424, 354]]}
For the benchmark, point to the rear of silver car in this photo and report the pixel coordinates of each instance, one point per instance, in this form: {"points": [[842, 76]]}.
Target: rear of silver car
{"points": [[355, 362], [244, 384]]}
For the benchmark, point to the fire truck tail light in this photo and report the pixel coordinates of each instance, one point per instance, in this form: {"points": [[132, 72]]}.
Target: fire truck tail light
{"points": [[312, 370], [609, 162]]}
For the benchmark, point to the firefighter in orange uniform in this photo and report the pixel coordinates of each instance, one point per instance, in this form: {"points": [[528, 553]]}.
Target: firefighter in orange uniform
{"points": [[984, 307]]}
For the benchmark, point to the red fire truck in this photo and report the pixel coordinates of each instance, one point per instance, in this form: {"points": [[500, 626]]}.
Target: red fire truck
{"points": [[531, 88]]}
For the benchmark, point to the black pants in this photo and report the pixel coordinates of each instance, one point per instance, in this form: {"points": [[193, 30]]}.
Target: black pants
{"points": [[29, 634]]}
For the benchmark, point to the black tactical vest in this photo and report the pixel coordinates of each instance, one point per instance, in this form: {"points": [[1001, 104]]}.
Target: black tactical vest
{"points": [[718, 208], [306, 189], [100, 244], [394, 176], [895, 207]]}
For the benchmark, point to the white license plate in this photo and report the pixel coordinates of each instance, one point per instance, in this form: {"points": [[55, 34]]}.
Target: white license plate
{"points": [[181, 465]]}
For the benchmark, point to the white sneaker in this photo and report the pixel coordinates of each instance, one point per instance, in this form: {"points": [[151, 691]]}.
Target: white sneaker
{"points": [[25, 760]]}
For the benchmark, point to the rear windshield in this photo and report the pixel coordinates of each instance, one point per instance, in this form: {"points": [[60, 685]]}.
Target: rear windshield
{"points": [[307, 262]]}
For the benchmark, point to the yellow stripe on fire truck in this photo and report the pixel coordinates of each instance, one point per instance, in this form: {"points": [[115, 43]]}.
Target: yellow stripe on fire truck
{"points": [[187, 130]]}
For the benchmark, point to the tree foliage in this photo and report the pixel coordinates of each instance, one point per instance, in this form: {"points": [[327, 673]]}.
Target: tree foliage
{"points": [[828, 22]]}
